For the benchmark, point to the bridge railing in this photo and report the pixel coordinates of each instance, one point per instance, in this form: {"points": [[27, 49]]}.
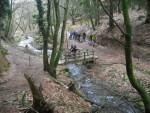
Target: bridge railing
{"points": [[69, 56]]}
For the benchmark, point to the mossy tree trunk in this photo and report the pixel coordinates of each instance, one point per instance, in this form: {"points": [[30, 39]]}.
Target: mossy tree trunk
{"points": [[44, 33], [128, 55], [52, 68], [56, 53], [111, 22], [92, 23], [9, 21], [97, 14], [62, 34], [148, 12], [51, 30], [118, 6], [4, 13], [72, 14]]}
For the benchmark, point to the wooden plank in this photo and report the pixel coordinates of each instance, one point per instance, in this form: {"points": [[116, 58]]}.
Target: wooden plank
{"points": [[78, 56]]}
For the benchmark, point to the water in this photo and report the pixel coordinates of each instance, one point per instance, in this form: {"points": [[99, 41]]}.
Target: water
{"points": [[28, 42], [94, 90]]}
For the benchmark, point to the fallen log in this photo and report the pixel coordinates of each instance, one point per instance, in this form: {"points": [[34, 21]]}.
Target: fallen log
{"points": [[39, 104]]}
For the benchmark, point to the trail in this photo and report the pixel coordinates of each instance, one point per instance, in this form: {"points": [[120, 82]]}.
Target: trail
{"points": [[13, 81], [13, 84]]}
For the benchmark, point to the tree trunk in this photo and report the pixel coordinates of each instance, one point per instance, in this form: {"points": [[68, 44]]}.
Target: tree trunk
{"points": [[147, 21], [4, 12], [111, 22], [44, 34], [128, 55], [118, 6], [7, 32], [39, 104], [97, 16], [73, 21], [45, 56], [62, 35], [92, 23], [52, 67], [52, 71]]}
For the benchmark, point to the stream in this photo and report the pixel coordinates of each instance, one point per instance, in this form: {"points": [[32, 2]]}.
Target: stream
{"points": [[93, 89], [28, 42]]}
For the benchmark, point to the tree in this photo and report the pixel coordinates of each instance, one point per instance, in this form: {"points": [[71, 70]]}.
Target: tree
{"points": [[45, 32], [128, 55], [56, 54], [4, 12], [148, 12], [111, 23], [91, 11], [50, 30], [74, 8], [8, 25], [118, 6]]}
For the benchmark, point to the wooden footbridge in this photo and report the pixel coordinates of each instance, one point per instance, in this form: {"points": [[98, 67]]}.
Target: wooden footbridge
{"points": [[79, 56]]}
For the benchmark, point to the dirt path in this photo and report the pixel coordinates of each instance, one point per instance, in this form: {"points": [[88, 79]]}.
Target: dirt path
{"points": [[13, 82]]}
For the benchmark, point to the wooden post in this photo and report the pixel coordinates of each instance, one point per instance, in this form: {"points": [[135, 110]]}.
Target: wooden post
{"points": [[87, 52], [29, 61], [65, 58], [93, 56], [84, 56]]}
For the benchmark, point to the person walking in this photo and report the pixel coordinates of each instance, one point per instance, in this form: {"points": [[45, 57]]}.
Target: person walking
{"points": [[84, 37]]}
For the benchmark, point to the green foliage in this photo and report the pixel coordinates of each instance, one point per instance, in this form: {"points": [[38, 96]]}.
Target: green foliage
{"points": [[4, 8], [3, 52], [4, 13], [4, 64], [66, 70]]}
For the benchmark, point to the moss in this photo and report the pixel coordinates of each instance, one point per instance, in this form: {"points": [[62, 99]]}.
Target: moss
{"points": [[140, 106], [4, 64], [66, 72], [3, 52]]}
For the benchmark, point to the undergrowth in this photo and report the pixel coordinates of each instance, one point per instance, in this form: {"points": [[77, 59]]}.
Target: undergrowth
{"points": [[4, 64]]}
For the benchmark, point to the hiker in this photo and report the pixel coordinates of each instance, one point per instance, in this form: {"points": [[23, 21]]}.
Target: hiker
{"points": [[84, 36], [94, 40], [73, 49], [26, 46], [90, 40], [78, 37], [71, 35]]}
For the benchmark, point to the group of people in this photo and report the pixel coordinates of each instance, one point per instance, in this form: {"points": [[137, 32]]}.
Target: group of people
{"points": [[77, 36], [83, 37]]}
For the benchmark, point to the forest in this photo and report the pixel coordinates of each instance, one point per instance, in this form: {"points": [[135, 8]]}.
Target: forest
{"points": [[74, 56]]}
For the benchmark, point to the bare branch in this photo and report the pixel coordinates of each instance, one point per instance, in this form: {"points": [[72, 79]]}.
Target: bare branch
{"points": [[121, 30]]}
